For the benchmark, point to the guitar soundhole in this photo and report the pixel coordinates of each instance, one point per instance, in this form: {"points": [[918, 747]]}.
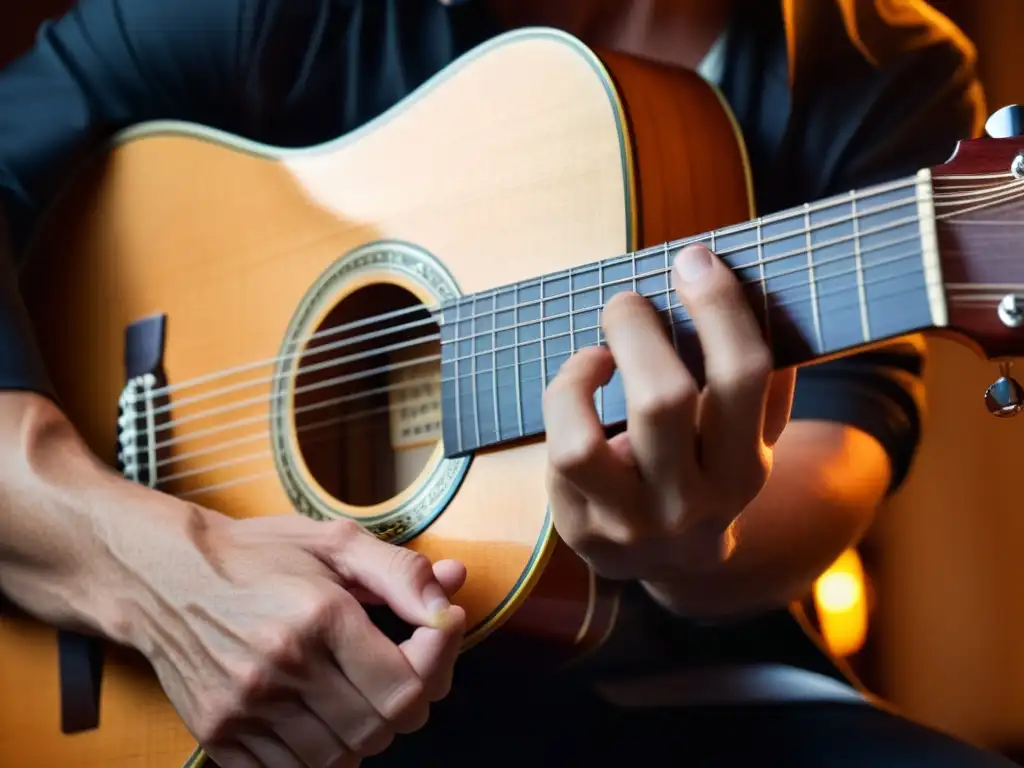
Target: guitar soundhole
{"points": [[367, 395]]}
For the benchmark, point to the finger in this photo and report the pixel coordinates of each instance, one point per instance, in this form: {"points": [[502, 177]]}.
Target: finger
{"points": [[374, 665], [270, 751], [433, 653], [305, 734], [661, 394], [779, 405], [403, 579], [450, 574], [577, 447], [235, 756], [348, 714], [737, 365]]}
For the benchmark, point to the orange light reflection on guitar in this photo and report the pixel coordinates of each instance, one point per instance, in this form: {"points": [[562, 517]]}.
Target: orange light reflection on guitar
{"points": [[840, 598]]}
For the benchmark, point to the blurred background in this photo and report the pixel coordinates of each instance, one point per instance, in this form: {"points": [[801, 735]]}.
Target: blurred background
{"points": [[929, 611]]}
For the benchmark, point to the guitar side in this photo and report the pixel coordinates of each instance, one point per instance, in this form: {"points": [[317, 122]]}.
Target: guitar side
{"points": [[530, 142]]}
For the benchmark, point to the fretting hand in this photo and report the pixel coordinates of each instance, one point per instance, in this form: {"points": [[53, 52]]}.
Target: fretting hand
{"points": [[662, 497], [259, 637]]}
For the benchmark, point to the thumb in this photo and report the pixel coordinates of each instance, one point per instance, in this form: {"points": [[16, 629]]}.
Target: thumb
{"points": [[450, 573], [401, 578]]}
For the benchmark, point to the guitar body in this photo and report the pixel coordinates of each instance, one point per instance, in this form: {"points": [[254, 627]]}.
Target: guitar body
{"points": [[246, 251]]}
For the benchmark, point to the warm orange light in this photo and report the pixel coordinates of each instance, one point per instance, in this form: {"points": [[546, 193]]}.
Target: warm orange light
{"points": [[840, 598]]}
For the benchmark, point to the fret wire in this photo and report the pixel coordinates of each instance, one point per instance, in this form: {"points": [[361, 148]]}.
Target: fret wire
{"points": [[541, 331], [910, 256], [473, 384], [455, 368], [815, 308], [786, 216], [837, 292], [795, 270], [600, 334], [765, 241], [494, 372], [518, 368], [764, 284], [865, 323], [668, 289], [572, 324]]}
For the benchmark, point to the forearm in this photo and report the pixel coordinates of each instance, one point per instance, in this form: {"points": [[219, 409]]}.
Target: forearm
{"points": [[55, 499], [826, 483], [58, 502]]}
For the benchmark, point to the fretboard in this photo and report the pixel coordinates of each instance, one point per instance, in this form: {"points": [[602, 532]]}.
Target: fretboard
{"points": [[823, 279]]}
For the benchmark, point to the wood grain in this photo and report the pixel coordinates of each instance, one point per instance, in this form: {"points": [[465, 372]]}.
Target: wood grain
{"points": [[982, 247], [509, 166]]}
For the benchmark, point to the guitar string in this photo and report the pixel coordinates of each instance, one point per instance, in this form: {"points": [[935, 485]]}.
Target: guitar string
{"points": [[653, 250], [193, 436], [248, 458], [424, 381], [255, 477], [491, 373], [548, 337], [762, 280], [803, 269], [954, 213]]}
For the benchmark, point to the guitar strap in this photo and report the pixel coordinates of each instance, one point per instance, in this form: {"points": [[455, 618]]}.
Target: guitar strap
{"points": [[81, 657]]}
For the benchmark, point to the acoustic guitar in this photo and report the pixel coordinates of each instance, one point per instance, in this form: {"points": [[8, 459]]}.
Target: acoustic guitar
{"points": [[364, 328]]}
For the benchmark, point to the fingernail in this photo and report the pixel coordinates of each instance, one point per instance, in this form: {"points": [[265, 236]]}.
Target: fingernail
{"points": [[437, 604], [692, 263]]}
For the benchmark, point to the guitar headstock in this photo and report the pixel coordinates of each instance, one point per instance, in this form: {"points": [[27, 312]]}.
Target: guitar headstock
{"points": [[979, 218]]}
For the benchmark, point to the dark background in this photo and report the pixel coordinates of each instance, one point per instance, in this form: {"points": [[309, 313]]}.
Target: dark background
{"points": [[946, 641]]}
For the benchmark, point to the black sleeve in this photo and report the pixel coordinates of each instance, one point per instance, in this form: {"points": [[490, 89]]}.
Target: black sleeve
{"points": [[104, 65], [276, 71], [281, 72], [904, 97]]}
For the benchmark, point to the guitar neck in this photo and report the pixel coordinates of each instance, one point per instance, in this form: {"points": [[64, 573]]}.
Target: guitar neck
{"points": [[823, 279]]}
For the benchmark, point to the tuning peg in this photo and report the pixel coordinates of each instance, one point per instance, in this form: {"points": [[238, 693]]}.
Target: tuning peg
{"points": [[1005, 398], [1006, 123]]}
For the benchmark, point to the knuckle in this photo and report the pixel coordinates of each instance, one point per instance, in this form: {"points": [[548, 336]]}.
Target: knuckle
{"points": [[671, 398], [572, 457], [405, 702], [250, 680], [342, 532], [216, 718], [413, 564], [750, 370], [319, 612], [282, 649], [621, 535]]}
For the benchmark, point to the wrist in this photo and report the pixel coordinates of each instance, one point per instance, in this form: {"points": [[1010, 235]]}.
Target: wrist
{"points": [[62, 513], [694, 583]]}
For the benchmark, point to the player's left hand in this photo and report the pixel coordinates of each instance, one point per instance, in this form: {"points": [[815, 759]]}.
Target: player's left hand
{"points": [[663, 496]]}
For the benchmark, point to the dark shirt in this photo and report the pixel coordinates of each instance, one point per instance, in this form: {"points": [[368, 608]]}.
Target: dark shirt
{"points": [[859, 100], [830, 96]]}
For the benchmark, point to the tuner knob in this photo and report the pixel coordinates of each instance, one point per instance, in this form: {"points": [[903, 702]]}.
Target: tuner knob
{"points": [[1005, 398], [1006, 123]]}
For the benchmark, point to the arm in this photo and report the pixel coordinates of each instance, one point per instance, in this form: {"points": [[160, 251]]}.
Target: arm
{"points": [[821, 497], [83, 79], [855, 422], [50, 550], [226, 611]]}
